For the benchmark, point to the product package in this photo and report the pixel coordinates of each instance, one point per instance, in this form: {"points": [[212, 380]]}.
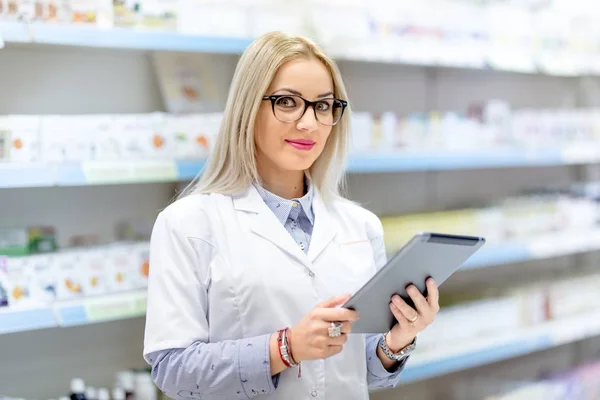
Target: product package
{"points": [[3, 281], [42, 239], [142, 254], [14, 242], [30, 282], [93, 12], [71, 275], [23, 140], [59, 11], [93, 264], [4, 139], [121, 268]]}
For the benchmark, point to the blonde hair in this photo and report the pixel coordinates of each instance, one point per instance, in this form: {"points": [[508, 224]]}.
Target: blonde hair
{"points": [[232, 165]]}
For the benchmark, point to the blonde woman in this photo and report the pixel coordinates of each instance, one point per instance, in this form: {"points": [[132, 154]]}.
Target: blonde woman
{"points": [[250, 265]]}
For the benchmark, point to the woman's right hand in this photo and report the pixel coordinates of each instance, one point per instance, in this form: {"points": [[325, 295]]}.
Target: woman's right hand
{"points": [[310, 336]]}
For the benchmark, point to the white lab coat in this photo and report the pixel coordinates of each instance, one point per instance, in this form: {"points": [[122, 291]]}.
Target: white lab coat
{"points": [[245, 276]]}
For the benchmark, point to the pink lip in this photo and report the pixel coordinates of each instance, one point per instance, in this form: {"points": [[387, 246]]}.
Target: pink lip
{"points": [[301, 144]]}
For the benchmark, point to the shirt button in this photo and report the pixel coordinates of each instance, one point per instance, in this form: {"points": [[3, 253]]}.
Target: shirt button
{"points": [[294, 204], [302, 246], [314, 393], [311, 274]]}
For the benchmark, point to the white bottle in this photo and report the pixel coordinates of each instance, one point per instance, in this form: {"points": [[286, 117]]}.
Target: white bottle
{"points": [[118, 394], [126, 381], [144, 387], [103, 394], [77, 389], [91, 393]]}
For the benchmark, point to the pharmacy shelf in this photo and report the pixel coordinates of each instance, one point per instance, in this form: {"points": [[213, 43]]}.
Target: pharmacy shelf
{"points": [[14, 175], [543, 246], [112, 172], [430, 160], [118, 38], [443, 360], [75, 312], [369, 50]]}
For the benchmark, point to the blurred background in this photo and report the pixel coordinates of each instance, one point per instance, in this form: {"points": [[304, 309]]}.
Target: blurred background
{"points": [[473, 117]]}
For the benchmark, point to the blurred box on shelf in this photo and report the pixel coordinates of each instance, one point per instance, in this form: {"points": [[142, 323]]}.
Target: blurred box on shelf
{"points": [[569, 296], [93, 265], [69, 269], [92, 12], [148, 14], [141, 136], [214, 18], [3, 281], [518, 217], [19, 136], [193, 135], [14, 242], [454, 324], [188, 81], [30, 281], [42, 239], [23, 241], [142, 256], [134, 230], [121, 268]]}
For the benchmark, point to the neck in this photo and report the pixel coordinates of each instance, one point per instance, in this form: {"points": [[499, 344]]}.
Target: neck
{"points": [[285, 184]]}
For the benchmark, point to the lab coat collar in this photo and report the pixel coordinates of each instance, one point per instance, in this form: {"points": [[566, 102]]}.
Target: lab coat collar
{"points": [[266, 224]]}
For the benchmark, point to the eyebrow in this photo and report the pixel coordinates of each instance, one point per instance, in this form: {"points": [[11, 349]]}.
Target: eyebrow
{"points": [[297, 93]]}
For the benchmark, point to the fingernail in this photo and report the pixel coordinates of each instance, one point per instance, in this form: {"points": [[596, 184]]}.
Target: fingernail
{"points": [[393, 306], [396, 298]]}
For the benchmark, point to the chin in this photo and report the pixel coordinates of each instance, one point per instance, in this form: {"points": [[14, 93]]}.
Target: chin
{"points": [[298, 164]]}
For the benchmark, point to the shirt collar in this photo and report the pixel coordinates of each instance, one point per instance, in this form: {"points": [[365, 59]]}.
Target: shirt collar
{"points": [[275, 203]]}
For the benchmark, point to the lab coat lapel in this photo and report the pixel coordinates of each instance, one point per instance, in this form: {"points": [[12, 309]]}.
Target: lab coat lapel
{"points": [[324, 229], [264, 223]]}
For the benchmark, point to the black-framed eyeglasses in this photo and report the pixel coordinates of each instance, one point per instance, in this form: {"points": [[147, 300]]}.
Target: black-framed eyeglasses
{"points": [[291, 108]]}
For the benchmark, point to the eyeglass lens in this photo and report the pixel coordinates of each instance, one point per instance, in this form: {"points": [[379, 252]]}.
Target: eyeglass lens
{"points": [[291, 108]]}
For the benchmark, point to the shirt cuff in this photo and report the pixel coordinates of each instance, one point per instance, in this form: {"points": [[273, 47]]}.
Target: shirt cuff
{"points": [[255, 366], [374, 364]]}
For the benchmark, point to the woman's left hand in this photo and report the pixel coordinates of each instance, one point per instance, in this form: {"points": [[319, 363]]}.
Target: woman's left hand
{"points": [[410, 321]]}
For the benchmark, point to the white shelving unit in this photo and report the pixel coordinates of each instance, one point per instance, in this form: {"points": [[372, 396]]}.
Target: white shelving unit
{"points": [[46, 68]]}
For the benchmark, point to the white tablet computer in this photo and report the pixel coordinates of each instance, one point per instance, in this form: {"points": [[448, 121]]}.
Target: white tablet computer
{"points": [[426, 255]]}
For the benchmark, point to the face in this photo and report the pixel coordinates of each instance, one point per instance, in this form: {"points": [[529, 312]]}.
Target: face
{"points": [[294, 146]]}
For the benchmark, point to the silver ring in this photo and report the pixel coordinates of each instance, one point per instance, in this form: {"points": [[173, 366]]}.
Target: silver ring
{"points": [[335, 330]]}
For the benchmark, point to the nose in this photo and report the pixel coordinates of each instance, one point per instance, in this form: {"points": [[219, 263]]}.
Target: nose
{"points": [[308, 122]]}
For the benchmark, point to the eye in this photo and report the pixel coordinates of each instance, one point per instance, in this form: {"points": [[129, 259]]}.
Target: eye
{"points": [[323, 106], [286, 102]]}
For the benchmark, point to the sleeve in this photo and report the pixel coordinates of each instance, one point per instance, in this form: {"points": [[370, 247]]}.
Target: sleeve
{"points": [[377, 376], [184, 364]]}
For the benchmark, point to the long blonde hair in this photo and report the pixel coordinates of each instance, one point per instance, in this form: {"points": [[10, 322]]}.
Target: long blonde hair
{"points": [[232, 165]]}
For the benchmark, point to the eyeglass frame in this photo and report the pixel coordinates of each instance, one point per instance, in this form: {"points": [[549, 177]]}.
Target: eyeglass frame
{"points": [[307, 103]]}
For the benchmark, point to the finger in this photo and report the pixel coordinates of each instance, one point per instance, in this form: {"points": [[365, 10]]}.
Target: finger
{"points": [[402, 321], [433, 294], [406, 310], [336, 314], [347, 327], [333, 350], [419, 300], [334, 301], [338, 341]]}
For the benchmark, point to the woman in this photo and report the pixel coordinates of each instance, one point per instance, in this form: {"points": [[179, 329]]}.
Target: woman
{"points": [[264, 242]]}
